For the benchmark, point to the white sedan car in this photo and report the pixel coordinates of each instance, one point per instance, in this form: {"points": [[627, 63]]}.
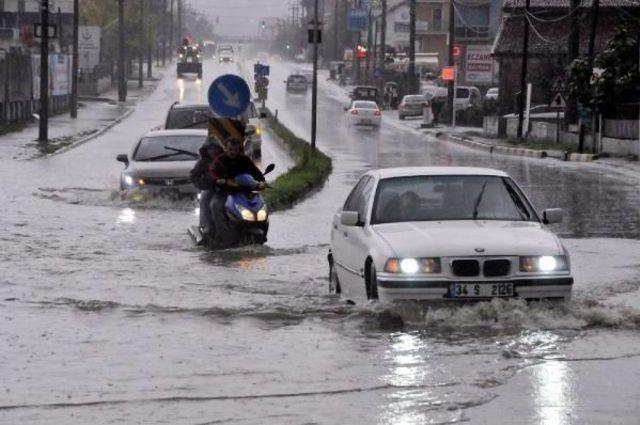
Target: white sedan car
{"points": [[445, 233], [364, 112]]}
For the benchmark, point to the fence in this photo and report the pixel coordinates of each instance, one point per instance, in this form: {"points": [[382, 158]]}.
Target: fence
{"points": [[20, 86], [621, 129]]}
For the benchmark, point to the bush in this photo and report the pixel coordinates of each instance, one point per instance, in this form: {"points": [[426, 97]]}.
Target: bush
{"points": [[309, 173]]}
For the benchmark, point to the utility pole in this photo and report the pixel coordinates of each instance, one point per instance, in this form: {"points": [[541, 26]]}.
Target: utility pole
{"points": [[336, 24], [141, 44], [164, 32], [122, 83], [451, 95], [523, 72], [172, 37], [74, 64], [43, 136], [383, 35], [150, 42], [412, 47], [180, 33], [314, 87], [574, 52], [592, 42], [367, 68]]}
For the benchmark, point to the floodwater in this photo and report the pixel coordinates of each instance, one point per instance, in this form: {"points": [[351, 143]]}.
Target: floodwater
{"points": [[111, 315]]}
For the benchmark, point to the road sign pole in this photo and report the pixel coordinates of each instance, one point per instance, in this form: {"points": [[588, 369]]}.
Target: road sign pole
{"points": [[43, 136], [558, 127], [74, 66], [314, 87]]}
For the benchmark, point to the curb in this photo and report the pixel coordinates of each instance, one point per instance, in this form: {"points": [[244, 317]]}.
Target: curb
{"points": [[92, 136], [513, 151]]}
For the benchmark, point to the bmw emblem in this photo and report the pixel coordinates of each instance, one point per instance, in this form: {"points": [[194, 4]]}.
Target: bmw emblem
{"points": [[479, 250]]}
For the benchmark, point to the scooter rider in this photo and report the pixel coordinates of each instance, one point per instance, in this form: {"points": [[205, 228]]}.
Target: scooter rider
{"points": [[222, 171]]}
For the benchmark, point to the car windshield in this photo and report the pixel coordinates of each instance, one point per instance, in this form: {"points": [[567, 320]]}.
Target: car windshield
{"points": [[462, 93], [167, 148], [493, 91], [365, 92], [194, 118], [365, 105], [297, 79], [442, 198], [414, 99]]}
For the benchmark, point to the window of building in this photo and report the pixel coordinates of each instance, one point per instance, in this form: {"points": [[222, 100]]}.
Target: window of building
{"points": [[437, 19], [401, 27]]}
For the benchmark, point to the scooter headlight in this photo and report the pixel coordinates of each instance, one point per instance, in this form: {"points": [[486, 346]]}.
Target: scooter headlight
{"points": [[262, 214], [245, 213]]}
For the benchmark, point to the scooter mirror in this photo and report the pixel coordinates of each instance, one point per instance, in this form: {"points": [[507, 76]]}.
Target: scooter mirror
{"points": [[269, 168]]}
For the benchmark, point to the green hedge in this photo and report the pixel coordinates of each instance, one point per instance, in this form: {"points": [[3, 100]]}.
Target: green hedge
{"points": [[310, 171]]}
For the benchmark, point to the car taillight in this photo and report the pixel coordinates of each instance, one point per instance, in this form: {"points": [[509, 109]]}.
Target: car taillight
{"points": [[378, 113], [354, 112]]}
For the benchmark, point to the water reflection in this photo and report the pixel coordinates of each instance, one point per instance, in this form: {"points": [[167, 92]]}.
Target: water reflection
{"points": [[127, 216], [408, 365], [553, 393], [181, 90]]}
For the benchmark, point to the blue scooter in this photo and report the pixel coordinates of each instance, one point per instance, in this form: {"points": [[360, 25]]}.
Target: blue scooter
{"points": [[245, 220]]}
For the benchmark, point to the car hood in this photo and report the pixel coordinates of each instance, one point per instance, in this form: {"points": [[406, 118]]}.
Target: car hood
{"points": [[462, 238], [160, 168]]}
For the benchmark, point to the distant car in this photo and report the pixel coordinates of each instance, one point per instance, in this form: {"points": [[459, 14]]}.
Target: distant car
{"points": [[196, 116], [307, 73], [445, 234], [541, 112], [467, 97], [492, 93], [364, 112], [225, 53], [411, 106], [160, 162], [297, 83]]}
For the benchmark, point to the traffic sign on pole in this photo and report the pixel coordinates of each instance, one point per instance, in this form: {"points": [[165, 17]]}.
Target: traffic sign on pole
{"points": [[229, 96], [558, 102]]}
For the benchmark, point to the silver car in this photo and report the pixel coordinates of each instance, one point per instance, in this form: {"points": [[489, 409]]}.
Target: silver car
{"points": [[160, 162]]}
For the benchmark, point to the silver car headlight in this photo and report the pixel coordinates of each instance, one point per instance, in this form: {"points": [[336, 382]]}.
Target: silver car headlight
{"points": [[128, 180], [544, 263]]}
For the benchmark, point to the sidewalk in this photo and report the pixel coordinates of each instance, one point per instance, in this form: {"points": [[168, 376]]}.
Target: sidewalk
{"points": [[95, 117]]}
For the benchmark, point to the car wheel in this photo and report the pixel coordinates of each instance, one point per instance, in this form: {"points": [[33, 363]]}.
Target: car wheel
{"points": [[334, 283], [372, 282]]}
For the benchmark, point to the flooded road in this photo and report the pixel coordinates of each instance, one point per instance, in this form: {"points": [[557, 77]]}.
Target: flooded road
{"points": [[111, 315]]}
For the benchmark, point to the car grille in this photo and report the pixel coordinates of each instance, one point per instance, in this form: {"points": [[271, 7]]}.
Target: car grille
{"points": [[465, 268], [495, 268], [166, 181]]}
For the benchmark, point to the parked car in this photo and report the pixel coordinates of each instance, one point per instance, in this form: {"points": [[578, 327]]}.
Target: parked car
{"points": [[297, 83], [160, 162], [445, 234], [364, 112], [492, 93], [306, 73], [411, 106], [225, 53]]}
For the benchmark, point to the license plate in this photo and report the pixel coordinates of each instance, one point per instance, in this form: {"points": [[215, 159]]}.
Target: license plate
{"points": [[482, 290]]}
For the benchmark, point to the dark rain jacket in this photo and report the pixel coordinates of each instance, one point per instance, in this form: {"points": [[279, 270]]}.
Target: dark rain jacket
{"points": [[224, 167], [199, 175]]}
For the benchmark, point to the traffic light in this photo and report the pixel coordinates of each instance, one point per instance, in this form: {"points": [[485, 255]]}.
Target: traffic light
{"points": [[361, 52]]}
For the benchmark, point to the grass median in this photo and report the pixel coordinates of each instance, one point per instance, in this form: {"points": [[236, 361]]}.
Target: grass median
{"points": [[309, 173]]}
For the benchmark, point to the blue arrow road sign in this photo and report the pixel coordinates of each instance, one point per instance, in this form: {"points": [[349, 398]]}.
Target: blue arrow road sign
{"points": [[229, 96]]}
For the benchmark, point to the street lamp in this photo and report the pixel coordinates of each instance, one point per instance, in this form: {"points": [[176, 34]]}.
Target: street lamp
{"points": [[315, 37]]}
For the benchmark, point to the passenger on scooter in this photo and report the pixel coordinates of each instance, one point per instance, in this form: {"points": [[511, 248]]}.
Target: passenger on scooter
{"points": [[210, 150]]}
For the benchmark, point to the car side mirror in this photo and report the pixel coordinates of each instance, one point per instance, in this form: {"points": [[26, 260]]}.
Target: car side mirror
{"points": [[269, 169], [349, 218], [552, 215], [123, 158]]}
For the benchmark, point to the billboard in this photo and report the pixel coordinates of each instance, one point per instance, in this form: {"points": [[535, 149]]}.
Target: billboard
{"points": [[479, 64], [88, 47]]}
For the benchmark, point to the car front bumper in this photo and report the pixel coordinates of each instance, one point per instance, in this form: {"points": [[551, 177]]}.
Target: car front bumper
{"points": [[540, 287]]}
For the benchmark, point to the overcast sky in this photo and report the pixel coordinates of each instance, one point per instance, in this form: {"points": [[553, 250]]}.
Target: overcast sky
{"points": [[239, 17]]}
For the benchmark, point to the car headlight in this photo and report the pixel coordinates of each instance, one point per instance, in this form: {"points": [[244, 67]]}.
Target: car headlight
{"points": [[258, 131], [245, 213], [132, 181], [545, 263], [128, 180], [412, 265], [262, 214], [181, 56]]}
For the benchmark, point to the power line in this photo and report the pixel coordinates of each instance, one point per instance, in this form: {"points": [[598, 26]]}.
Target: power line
{"points": [[562, 18]]}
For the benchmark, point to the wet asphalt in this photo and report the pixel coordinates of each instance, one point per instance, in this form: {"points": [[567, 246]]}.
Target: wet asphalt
{"points": [[111, 315]]}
